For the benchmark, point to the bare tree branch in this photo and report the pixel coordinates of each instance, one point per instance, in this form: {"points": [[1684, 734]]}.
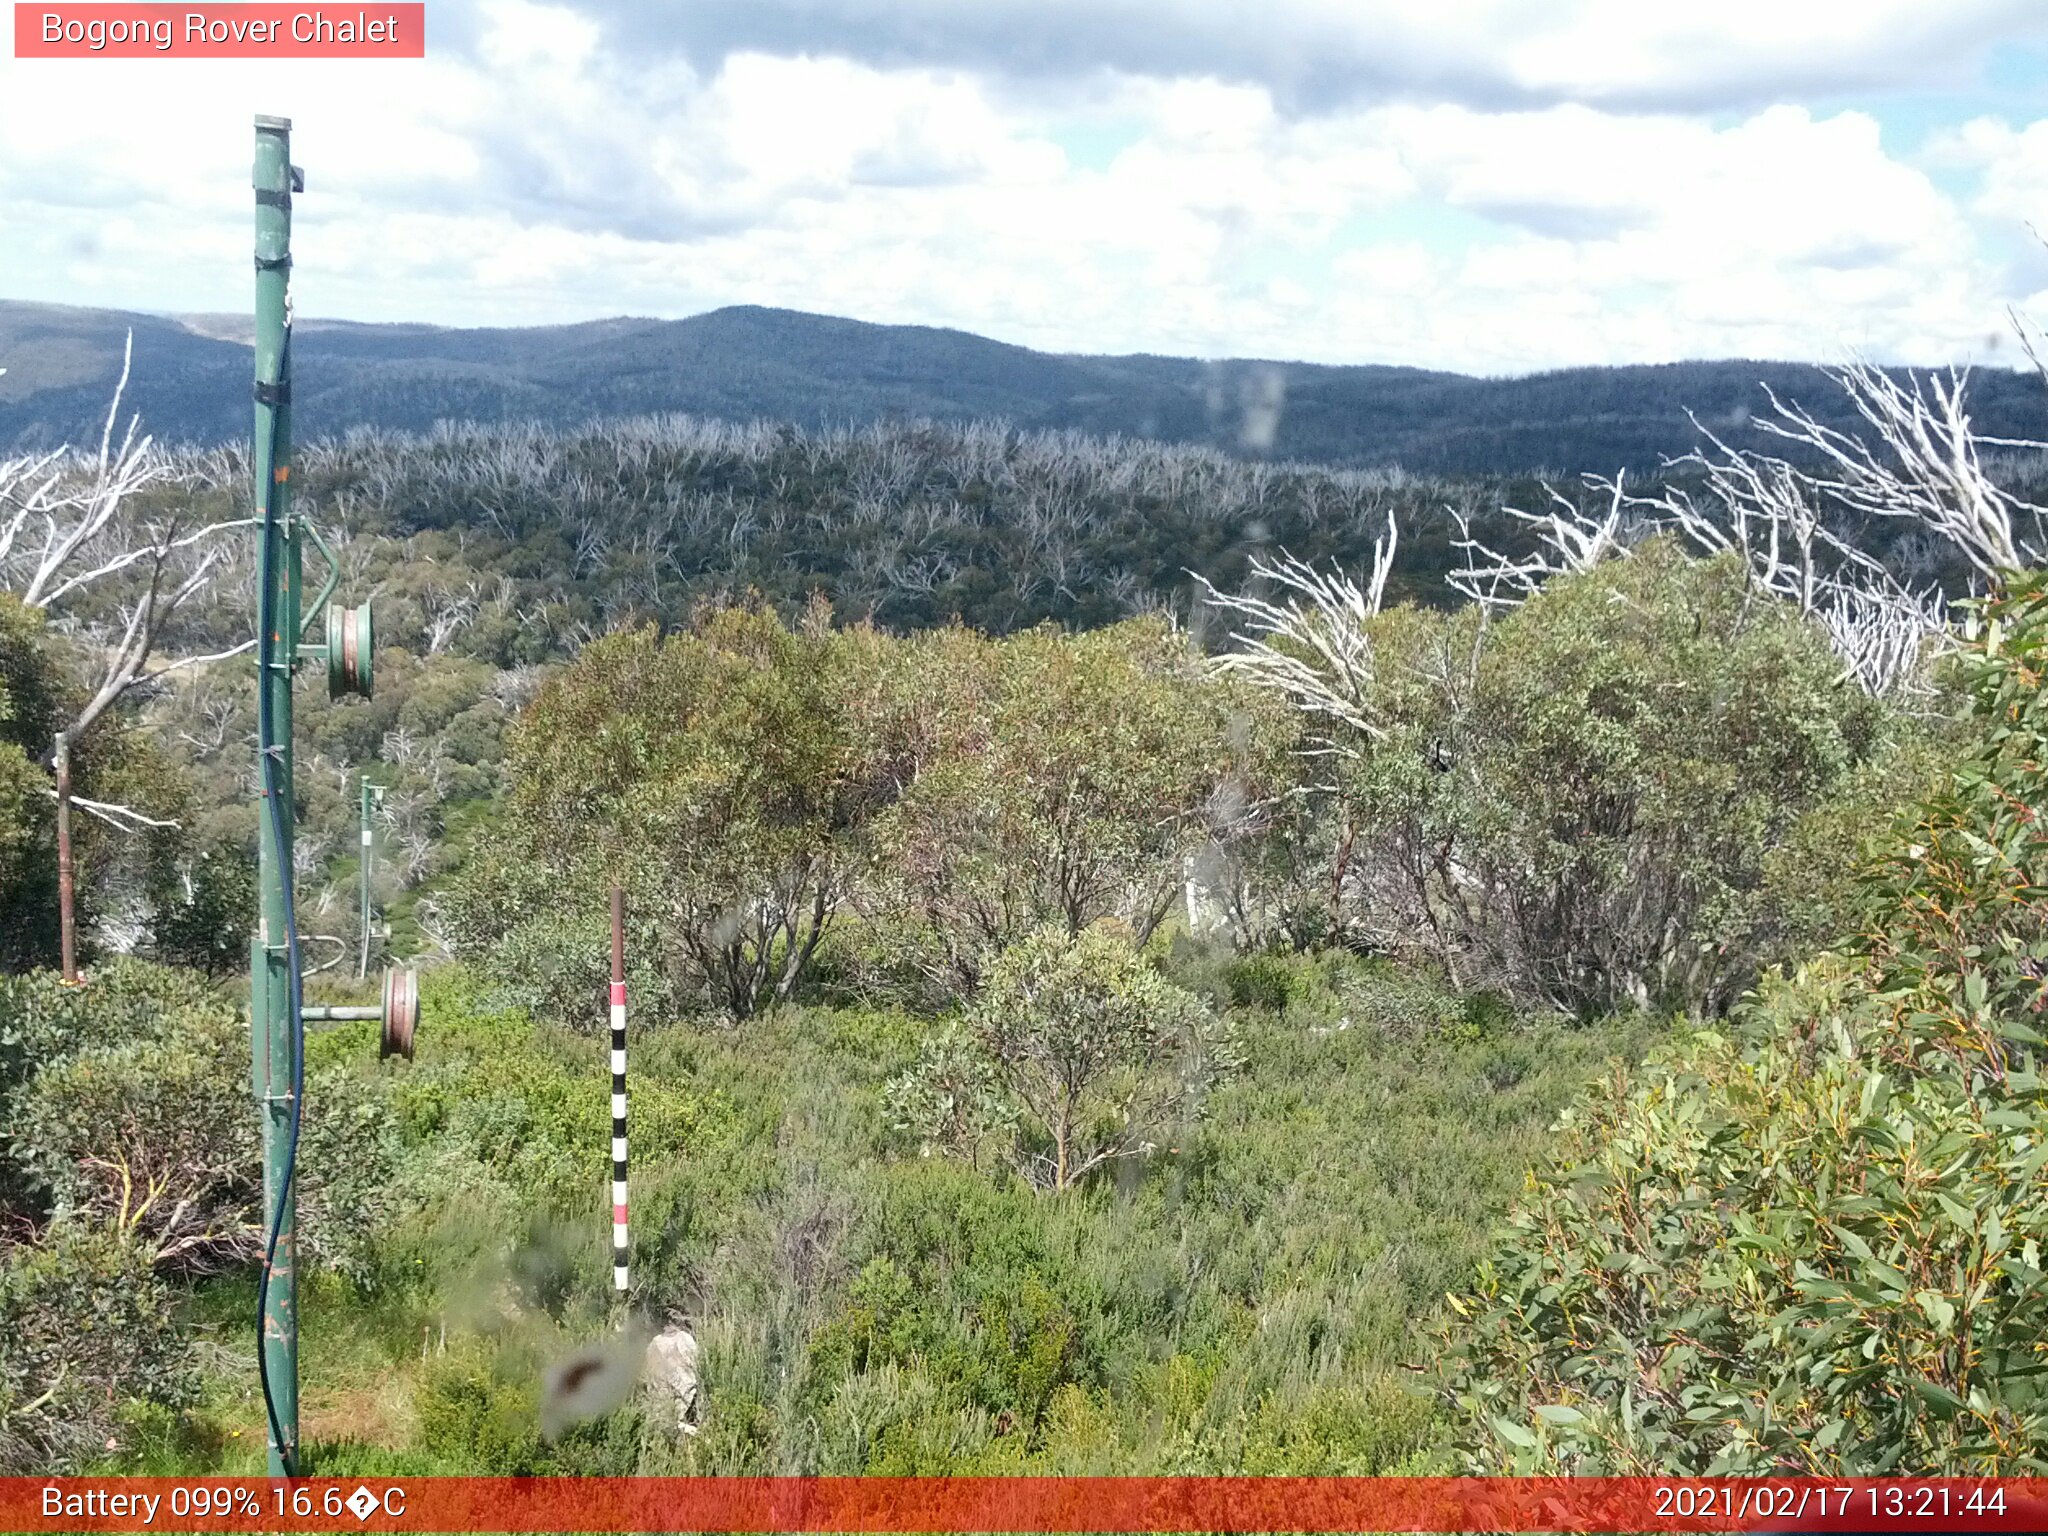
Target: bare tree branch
{"points": [[1314, 649], [1568, 538], [1925, 467], [159, 546], [122, 818], [199, 661]]}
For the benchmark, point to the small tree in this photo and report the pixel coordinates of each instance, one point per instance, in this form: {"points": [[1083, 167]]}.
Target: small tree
{"points": [[1048, 779], [1078, 1053], [1641, 737], [720, 772], [1581, 798]]}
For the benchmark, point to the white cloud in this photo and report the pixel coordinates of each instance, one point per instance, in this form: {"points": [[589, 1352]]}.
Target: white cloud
{"points": [[1625, 51], [536, 174], [1321, 54], [2012, 162], [1783, 235]]}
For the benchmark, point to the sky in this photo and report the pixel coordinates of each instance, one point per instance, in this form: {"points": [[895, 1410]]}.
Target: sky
{"points": [[1491, 186]]}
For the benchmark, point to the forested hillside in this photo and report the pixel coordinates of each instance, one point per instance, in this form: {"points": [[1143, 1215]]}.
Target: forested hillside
{"points": [[1113, 929], [746, 364]]}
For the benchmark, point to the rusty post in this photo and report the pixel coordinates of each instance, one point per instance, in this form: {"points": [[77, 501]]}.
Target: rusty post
{"points": [[67, 889], [618, 935]]}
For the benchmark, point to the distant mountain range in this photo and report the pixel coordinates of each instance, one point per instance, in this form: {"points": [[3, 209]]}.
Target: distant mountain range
{"points": [[191, 384]]}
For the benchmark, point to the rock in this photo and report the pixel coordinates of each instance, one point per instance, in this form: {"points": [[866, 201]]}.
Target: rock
{"points": [[672, 1370]]}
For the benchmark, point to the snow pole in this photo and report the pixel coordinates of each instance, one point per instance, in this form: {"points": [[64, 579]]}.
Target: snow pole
{"points": [[619, 1241], [372, 796]]}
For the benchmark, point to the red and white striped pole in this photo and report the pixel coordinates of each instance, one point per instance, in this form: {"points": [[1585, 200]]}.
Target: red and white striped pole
{"points": [[618, 1088]]}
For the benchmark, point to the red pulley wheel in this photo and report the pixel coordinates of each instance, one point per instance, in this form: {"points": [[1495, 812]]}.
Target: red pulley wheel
{"points": [[401, 1013]]}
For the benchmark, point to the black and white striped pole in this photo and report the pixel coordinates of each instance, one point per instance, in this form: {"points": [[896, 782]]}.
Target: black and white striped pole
{"points": [[619, 1249]]}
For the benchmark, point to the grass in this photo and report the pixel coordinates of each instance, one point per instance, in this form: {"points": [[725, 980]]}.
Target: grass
{"points": [[1244, 1300]]}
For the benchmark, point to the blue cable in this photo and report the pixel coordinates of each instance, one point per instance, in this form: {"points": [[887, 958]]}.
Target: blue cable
{"points": [[274, 797]]}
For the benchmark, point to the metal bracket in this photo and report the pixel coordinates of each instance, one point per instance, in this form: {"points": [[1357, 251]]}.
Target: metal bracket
{"points": [[314, 608]]}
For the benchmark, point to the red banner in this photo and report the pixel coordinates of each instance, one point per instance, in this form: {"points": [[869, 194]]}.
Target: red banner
{"points": [[214, 31], [1022, 1504]]}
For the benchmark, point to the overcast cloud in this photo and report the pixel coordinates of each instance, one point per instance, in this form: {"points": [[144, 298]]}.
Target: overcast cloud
{"points": [[1487, 185], [1317, 55]]}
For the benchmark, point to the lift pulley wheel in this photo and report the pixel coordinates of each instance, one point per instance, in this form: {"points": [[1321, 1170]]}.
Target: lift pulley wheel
{"points": [[349, 645], [401, 1013]]}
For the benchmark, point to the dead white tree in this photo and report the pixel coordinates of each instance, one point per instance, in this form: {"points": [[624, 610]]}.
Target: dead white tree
{"points": [[71, 531], [1754, 506], [219, 715], [1313, 645], [1883, 635], [1309, 640], [1766, 513], [1921, 461], [1790, 520], [1568, 539], [447, 612]]}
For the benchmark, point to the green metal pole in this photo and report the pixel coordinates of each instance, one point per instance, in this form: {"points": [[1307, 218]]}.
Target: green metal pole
{"points": [[272, 1025]]}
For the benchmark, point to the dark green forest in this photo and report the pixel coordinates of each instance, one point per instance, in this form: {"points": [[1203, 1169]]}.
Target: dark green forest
{"points": [[750, 364]]}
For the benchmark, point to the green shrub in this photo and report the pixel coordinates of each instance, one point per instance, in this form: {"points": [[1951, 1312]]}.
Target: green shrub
{"points": [[350, 1459], [962, 1293], [478, 1410], [124, 1005], [1370, 1428], [1580, 800], [1077, 1054], [123, 1000], [205, 910], [142, 1136], [1814, 1241], [1404, 1003], [1260, 981], [349, 1173], [89, 1327], [1487, 1012], [155, 1135], [532, 1116]]}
